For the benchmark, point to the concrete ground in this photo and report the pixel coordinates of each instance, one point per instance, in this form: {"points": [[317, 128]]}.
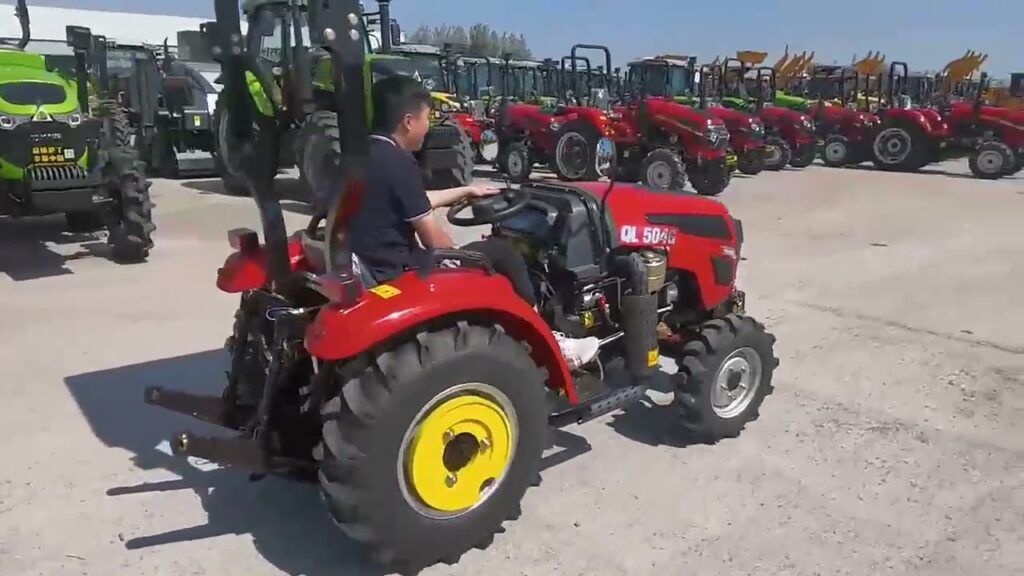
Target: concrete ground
{"points": [[894, 443]]}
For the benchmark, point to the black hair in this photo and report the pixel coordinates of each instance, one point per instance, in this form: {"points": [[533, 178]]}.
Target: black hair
{"points": [[393, 98]]}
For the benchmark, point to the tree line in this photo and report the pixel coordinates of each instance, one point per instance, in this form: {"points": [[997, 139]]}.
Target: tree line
{"points": [[479, 41]]}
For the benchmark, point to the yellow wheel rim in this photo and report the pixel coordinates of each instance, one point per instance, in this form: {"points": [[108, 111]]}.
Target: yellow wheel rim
{"points": [[460, 448]]}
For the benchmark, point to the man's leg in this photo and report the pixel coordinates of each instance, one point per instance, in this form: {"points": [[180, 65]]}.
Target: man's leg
{"points": [[508, 262]]}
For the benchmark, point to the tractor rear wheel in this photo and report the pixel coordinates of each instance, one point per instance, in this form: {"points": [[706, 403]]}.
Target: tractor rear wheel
{"points": [[900, 147], [230, 178], [837, 151], [724, 376], [514, 161], [319, 156], [663, 170], [991, 161], [1018, 163], [430, 447], [778, 154], [804, 155], [575, 155], [130, 219]]}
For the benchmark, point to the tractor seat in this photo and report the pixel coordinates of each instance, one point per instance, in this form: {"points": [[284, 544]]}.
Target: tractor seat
{"points": [[316, 255]]}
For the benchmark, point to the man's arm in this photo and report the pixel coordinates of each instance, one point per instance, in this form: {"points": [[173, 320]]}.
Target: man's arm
{"points": [[431, 233], [443, 198]]}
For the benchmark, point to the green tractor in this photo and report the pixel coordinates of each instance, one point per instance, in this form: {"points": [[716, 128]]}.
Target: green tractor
{"points": [[60, 153], [303, 113]]}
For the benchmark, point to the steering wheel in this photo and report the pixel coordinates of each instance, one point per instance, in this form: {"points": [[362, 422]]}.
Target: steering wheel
{"points": [[491, 209]]}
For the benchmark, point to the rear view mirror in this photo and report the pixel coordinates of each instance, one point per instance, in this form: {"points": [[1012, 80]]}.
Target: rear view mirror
{"points": [[605, 157], [79, 37]]}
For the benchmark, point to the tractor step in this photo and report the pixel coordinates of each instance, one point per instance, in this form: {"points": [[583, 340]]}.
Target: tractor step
{"points": [[210, 409], [598, 406], [240, 452]]}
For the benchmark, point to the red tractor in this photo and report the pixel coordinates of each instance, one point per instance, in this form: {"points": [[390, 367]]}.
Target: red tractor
{"points": [[911, 138], [790, 135], [657, 140], [423, 405], [845, 134]]}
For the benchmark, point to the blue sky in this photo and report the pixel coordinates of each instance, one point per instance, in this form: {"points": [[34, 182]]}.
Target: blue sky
{"points": [[926, 34]]}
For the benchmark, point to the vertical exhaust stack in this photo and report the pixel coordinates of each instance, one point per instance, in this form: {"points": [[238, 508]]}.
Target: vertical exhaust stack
{"points": [[21, 11], [385, 26]]}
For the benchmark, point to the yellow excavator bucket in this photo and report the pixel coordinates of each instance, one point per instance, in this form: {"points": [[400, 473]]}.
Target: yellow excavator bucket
{"points": [[871, 65], [751, 58], [960, 69]]}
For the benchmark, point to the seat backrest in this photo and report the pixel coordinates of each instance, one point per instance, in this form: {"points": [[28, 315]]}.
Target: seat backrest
{"points": [[316, 255]]}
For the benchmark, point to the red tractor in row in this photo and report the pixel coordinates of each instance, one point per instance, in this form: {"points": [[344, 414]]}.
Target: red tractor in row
{"points": [[657, 140], [790, 135], [845, 134], [423, 405], [910, 138]]}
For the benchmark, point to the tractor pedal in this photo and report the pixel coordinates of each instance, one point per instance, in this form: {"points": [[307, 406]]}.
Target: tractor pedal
{"points": [[210, 409]]}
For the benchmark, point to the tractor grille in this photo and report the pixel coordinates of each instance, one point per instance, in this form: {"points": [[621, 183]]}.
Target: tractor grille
{"points": [[443, 136], [56, 173]]}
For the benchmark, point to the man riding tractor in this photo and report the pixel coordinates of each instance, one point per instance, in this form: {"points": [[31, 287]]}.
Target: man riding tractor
{"points": [[420, 386]]}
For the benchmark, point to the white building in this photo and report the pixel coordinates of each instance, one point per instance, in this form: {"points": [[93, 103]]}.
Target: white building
{"points": [[48, 23]]}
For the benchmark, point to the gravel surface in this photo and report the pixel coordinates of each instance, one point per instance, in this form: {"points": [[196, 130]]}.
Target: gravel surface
{"points": [[894, 443]]}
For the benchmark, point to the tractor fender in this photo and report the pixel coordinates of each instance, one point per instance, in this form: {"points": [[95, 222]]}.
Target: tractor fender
{"points": [[245, 270], [914, 117], [414, 302]]}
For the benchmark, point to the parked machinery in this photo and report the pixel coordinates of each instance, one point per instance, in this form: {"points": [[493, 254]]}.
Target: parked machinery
{"points": [[62, 154]]}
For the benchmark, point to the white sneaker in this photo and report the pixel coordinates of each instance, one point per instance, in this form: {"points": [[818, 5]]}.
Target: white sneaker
{"points": [[578, 352]]}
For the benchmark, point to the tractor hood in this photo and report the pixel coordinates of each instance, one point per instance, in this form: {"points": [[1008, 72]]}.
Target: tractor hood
{"points": [[27, 87], [797, 103], [682, 112], [732, 118]]}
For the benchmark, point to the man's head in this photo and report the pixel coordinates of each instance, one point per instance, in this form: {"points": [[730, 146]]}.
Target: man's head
{"points": [[401, 109]]}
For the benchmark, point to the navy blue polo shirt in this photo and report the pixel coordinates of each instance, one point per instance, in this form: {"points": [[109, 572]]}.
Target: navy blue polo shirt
{"points": [[382, 231]]}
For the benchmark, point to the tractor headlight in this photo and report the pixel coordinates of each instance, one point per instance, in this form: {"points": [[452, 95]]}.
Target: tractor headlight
{"points": [[756, 127], [555, 126], [74, 120], [808, 124], [6, 122], [445, 108]]}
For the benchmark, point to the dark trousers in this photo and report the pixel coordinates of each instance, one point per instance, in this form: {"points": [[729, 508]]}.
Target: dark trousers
{"points": [[508, 262]]}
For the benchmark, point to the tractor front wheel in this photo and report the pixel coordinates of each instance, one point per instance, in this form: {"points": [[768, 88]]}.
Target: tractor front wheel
{"points": [[751, 163], [837, 151], [777, 155], [991, 161], [663, 170], [231, 180], [724, 376], [804, 155], [430, 447], [576, 152], [514, 161], [319, 156], [711, 179]]}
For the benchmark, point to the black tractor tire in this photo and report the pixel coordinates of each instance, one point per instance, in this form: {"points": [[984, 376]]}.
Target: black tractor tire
{"points": [[907, 135], [663, 170], [366, 434], [991, 161], [514, 161], [804, 155], [131, 228], [736, 344], [777, 161], [710, 180], [462, 173], [319, 157], [232, 182], [167, 165], [577, 129], [837, 151], [751, 163], [83, 222], [1018, 163]]}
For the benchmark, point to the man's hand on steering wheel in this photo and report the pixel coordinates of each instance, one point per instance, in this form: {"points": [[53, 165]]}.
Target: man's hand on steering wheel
{"points": [[490, 208], [482, 190]]}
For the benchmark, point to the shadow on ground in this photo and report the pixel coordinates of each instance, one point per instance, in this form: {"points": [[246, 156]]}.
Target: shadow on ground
{"points": [[26, 247], [294, 196], [286, 520], [928, 171]]}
